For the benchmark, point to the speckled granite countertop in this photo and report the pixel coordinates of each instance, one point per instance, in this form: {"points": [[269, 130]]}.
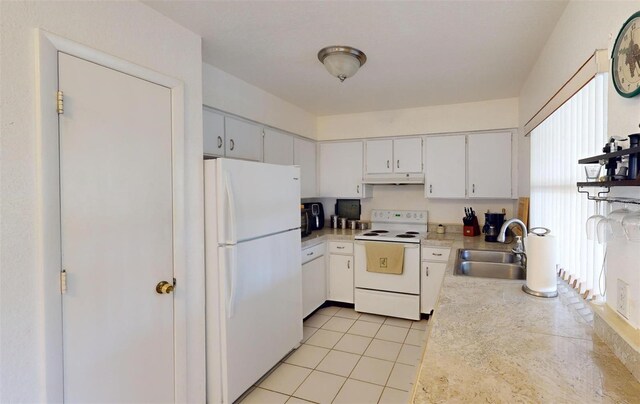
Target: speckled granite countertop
{"points": [[490, 342]]}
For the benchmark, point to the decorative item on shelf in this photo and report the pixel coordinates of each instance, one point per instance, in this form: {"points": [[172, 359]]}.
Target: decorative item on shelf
{"points": [[342, 61], [592, 172], [625, 58], [612, 162]]}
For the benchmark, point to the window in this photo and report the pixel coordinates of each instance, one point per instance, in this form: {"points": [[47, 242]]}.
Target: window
{"points": [[575, 130]]}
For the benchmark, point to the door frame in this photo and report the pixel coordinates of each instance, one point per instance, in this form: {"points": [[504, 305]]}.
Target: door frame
{"points": [[49, 257]]}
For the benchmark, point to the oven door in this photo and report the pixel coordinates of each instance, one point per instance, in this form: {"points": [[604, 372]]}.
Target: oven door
{"points": [[407, 282]]}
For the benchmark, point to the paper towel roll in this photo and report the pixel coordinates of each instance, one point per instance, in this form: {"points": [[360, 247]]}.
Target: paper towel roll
{"points": [[541, 263]]}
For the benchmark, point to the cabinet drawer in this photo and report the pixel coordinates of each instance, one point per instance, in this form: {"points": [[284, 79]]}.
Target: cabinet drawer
{"points": [[435, 253], [311, 253], [336, 247]]}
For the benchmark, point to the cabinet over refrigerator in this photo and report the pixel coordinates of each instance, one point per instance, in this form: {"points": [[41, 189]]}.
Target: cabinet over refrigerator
{"points": [[253, 278]]}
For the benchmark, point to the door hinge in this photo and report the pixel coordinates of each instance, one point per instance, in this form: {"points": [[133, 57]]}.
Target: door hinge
{"points": [[60, 102], [174, 282], [63, 281]]}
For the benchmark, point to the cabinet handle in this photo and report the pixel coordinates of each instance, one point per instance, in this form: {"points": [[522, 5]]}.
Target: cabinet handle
{"points": [[426, 271], [437, 255], [348, 264], [232, 144], [310, 254], [430, 188], [219, 142], [398, 164], [358, 189], [387, 163], [473, 188], [340, 247]]}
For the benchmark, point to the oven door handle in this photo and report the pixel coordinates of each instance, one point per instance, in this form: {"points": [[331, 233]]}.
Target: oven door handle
{"points": [[405, 245]]}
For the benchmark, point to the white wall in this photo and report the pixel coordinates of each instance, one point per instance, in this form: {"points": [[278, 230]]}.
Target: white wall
{"points": [[584, 27], [485, 115], [128, 30], [228, 93]]}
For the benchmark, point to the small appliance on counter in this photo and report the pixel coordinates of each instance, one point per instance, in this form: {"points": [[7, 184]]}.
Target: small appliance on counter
{"points": [[305, 221], [492, 225], [348, 208], [316, 215], [470, 221]]}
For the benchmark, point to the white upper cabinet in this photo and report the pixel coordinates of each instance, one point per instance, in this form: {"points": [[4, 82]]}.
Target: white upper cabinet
{"points": [[243, 139], [445, 166], [278, 147], [403, 155], [379, 156], [341, 170], [304, 155], [213, 133], [489, 165], [407, 154]]}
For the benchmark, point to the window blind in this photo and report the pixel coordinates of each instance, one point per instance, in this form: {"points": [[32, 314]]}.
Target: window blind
{"points": [[577, 129]]}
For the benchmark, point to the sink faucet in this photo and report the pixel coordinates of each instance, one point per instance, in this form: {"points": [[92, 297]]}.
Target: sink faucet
{"points": [[505, 226], [519, 248]]}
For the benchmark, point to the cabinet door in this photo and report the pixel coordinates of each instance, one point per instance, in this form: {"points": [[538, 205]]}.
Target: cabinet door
{"points": [[341, 278], [489, 165], [278, 147], [213, 133], [445, 167], [304, 155], [243, 139], [341, 170], [431, 276], [314, 283], [379, 156], [407, 155]]}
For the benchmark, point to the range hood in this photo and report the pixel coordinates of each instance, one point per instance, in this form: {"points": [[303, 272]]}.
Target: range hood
{"points": [[394, 178]]}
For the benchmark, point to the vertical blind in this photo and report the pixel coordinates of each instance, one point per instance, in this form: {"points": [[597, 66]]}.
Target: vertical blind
{"points": [[575, 130]]}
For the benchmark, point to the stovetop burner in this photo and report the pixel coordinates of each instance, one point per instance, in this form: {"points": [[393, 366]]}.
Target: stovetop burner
{"points": [[380, 231], [370, 234], [412, 232], [406, 236]]}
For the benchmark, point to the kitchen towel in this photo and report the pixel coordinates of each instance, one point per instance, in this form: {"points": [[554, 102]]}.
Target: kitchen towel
{"points": [[541, 263], [385, 258]]}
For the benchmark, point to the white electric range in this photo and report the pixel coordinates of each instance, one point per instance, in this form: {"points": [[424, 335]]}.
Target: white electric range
{"points": [[396, 295]]}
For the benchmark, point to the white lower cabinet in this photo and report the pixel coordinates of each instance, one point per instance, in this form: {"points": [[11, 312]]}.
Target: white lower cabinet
{"points": [[314, 279], [434, 264], [341, 272]]}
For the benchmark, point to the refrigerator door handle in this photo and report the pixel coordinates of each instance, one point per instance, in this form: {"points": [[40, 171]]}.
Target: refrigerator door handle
{"points": [[231, 209], [231, 286]]}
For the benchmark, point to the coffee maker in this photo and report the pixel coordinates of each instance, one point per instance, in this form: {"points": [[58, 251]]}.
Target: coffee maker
{"points": [[492, 225]]}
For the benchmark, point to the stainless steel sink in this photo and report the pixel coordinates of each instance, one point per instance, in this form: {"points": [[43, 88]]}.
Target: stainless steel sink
{"points": [[487, 256], [488, 264]]}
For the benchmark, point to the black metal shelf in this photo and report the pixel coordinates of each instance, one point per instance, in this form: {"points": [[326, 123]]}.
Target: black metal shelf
{"points": [[606, 156]]}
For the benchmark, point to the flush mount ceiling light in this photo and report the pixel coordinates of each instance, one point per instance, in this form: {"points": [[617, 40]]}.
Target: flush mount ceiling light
{"points": [[342, 61]]}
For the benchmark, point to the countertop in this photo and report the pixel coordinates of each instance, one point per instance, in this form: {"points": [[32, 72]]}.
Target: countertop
{"points": [[490, 342]]}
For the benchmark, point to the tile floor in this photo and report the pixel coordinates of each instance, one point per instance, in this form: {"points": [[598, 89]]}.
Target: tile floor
{"points": [[347, 357]]}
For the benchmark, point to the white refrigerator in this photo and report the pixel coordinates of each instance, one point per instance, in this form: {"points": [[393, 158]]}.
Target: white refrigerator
{"points": [[253, 274]]}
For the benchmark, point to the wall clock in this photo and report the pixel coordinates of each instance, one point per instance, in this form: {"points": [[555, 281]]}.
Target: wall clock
{"points": [[625, 58]]}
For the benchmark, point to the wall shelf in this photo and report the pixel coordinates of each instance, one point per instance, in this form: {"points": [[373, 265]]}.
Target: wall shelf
{"points": [[606, 156]]}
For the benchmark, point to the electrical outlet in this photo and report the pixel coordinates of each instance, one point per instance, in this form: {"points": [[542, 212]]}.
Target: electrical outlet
{"points": [[623, 299]]}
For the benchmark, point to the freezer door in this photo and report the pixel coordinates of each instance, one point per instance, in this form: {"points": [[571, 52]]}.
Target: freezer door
{"points": [[255, 199], [261, 308]]}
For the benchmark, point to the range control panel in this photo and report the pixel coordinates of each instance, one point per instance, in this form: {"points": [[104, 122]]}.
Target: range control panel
{"points": [[399, 216]]}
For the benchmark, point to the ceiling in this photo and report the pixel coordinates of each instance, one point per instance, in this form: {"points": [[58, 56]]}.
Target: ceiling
{"points": [[420, 53]]}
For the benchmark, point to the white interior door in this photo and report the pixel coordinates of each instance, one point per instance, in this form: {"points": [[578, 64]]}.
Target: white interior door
{"points": [[117, 236]]}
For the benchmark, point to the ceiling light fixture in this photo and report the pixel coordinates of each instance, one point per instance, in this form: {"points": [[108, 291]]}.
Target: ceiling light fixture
{"points": [[342, 61]]}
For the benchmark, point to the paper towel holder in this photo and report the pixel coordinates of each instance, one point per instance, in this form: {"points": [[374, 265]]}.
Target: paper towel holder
{"points": [[540, 232]]}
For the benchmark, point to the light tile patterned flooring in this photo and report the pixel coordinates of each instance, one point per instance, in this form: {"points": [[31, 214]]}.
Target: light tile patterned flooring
{"points": [[347, 357]]}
